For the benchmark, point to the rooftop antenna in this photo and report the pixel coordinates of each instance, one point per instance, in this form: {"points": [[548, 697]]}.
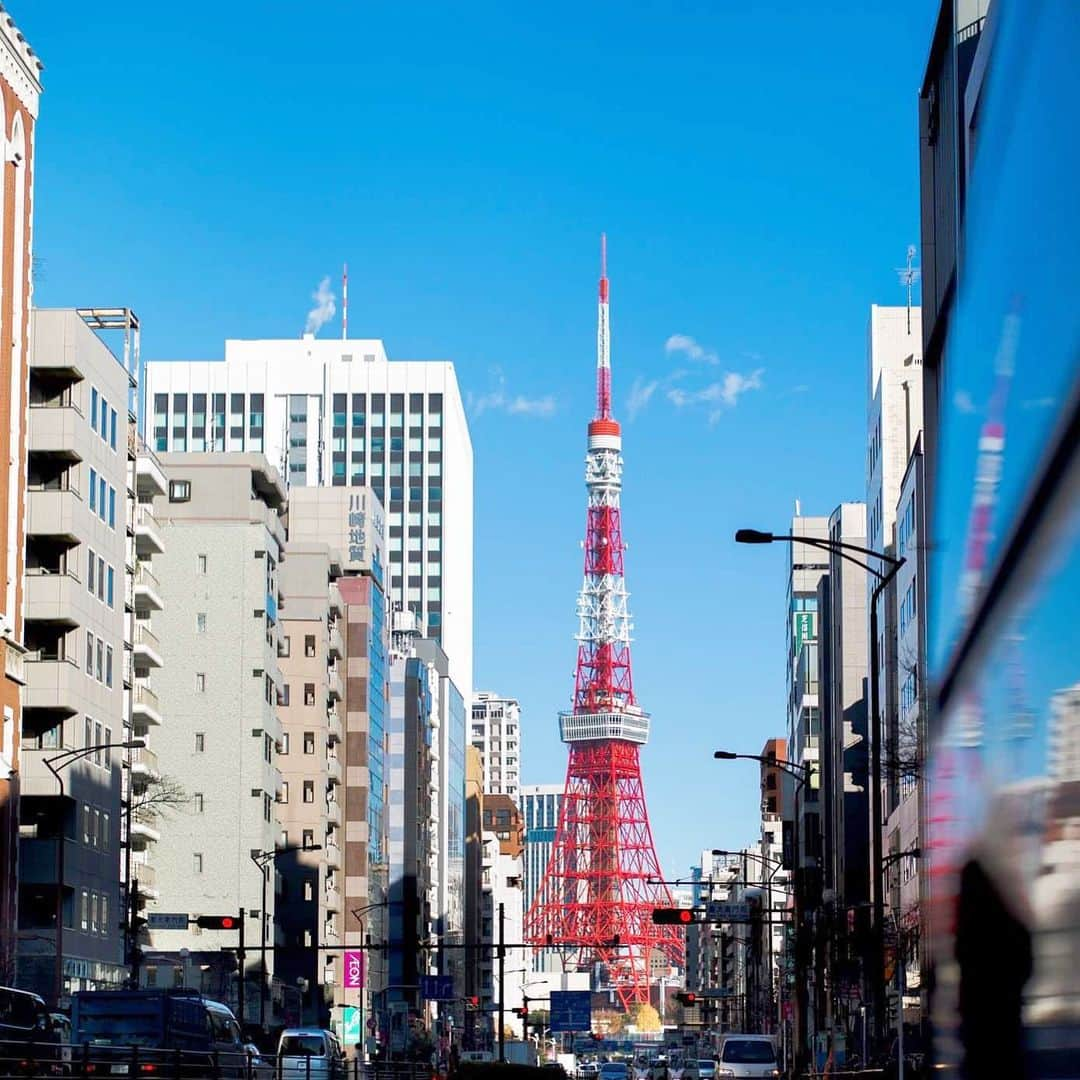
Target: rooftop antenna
{"points": [[909, 276], [345, 302]]}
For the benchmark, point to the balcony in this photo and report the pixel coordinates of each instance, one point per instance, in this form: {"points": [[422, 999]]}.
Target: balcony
{"points": [[146, 647], [55, 683], [336, 608], [147, 594], [55, 429], [333, 721], [145, 707], [333, 684], [333, 770], [333, 812], [332, 854], [53, 512], [51, 596], [147, 534], [142, 833], [144, 767], [336, 645], [149, 475], [333, 898], [146, 876]]}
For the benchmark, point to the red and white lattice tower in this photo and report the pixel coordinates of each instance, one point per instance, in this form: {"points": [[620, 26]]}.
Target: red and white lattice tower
{"points": [[602, 883]]}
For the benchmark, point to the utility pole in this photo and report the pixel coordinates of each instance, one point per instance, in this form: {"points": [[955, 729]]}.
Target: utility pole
{"points": [[502, 980], [240, 954]]}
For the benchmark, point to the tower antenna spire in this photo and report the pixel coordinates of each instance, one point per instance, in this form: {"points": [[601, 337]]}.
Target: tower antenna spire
{"points": [[603, 341]]}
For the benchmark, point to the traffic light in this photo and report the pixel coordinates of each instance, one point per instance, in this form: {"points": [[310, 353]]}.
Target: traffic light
{"points": [[523, 1013], [218, 922], [675, 916], [472, 1002], [685, 997]]}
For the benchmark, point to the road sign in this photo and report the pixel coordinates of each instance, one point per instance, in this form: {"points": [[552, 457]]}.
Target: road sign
{"points": [[167, 920], [722, 911], [354, 969], [571, 1010], [437, 987], [350, 1026]]}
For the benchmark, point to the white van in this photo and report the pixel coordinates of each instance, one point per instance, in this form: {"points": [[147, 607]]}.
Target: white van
{"points": [[310, 1054], [747, 1055]]}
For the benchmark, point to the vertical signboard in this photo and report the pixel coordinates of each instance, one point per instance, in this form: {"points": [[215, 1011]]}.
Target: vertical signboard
{"points": [[354, 969]]}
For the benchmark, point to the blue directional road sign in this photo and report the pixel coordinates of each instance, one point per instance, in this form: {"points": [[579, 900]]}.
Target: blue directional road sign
{"points": [[437, 987], [571, 1010]]}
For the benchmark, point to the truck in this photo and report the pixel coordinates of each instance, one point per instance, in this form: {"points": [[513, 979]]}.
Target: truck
{"points": [[143, 1031], [521, 1051]]}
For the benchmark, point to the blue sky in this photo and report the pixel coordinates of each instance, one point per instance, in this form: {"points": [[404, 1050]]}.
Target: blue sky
{"points": [[756, 173]]}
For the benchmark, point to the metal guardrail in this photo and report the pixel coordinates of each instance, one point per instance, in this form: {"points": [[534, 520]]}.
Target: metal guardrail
{"points": [[90, 1061]]}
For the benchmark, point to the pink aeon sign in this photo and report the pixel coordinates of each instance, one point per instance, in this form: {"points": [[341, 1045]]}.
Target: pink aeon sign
{"points": [[354, 969]]}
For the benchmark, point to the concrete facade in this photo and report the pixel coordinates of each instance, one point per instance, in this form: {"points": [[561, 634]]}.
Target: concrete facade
{"points": [[223, 533], [20, 92], [496, 732], [330, 413], [76, 635], [308, 900]]}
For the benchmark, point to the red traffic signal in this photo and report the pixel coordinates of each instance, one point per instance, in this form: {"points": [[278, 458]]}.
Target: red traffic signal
{"points": [[674, 916], [218, 922], [686, 998], [472, 1002]]}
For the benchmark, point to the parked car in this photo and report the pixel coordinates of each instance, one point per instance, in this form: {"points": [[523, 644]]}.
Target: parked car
{"points": [[614, 1070], [747, 1055], [28, 1041], [706, 1068], [310, 1054], [260, 1066]]}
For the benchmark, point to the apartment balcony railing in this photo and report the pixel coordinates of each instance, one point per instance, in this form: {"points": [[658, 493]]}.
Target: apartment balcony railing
{"points": [[147, 534], [50, 595], [146, 646], [333, 770], [145, 706], [333, 720], [147, 594]]}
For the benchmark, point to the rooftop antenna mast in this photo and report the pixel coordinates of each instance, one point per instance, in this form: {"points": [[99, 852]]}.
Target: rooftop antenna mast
{"points": [[345, 302], [909, 277]]}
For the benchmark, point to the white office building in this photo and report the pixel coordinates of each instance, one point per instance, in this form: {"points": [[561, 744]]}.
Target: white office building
{"points": [[496, 733], [339, 413]]}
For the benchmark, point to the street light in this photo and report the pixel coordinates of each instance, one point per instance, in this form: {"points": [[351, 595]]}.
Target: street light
{"points": [[55, 765], [843, 550], [263, 860]]}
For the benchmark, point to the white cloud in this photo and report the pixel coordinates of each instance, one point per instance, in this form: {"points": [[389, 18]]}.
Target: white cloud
{"points": [[962, 401], [324, 308], [724, 393], [683, 343], [498, 400], [640, 393]]}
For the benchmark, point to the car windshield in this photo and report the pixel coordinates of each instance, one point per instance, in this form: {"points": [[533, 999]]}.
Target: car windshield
{"points": [[748, 1052], [120, 1028], [705, 1065], [613, 1068], [301, 1046]]}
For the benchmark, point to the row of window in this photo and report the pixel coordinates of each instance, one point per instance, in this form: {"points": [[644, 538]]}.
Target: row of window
{"points": [[209, 429], [93, 912], [908, 611], [102, 417], [102, 498], [308, 791], [96, 828], [285, 645], [99, 661], [284, 695], [100, 578], [905, 534], [99, 736]]}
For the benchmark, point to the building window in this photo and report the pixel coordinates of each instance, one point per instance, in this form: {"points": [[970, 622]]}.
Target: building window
{"points": [[197, 862], [309, 644], [309, 693], [200, 682], [283, 744], [84, 909], [200, 564], [284, 646], [309, 791], [200, 622], [100, 657], [109, 587], [179, 491], [284, 792], [91, 562], [100, 578], [267, 807], [309, 742], [200, 742], [89, 659], [93, 490], [108, 665], [307, 838], [93, 408], [283, 694], [309, 890], [112, 507]]}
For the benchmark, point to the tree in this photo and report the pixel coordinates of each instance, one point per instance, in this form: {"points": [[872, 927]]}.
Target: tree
{"points": [[644, 1017], [157, 797]]}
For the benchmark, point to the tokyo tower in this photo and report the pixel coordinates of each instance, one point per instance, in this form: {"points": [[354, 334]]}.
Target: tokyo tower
{"points": [[602, 882]]}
